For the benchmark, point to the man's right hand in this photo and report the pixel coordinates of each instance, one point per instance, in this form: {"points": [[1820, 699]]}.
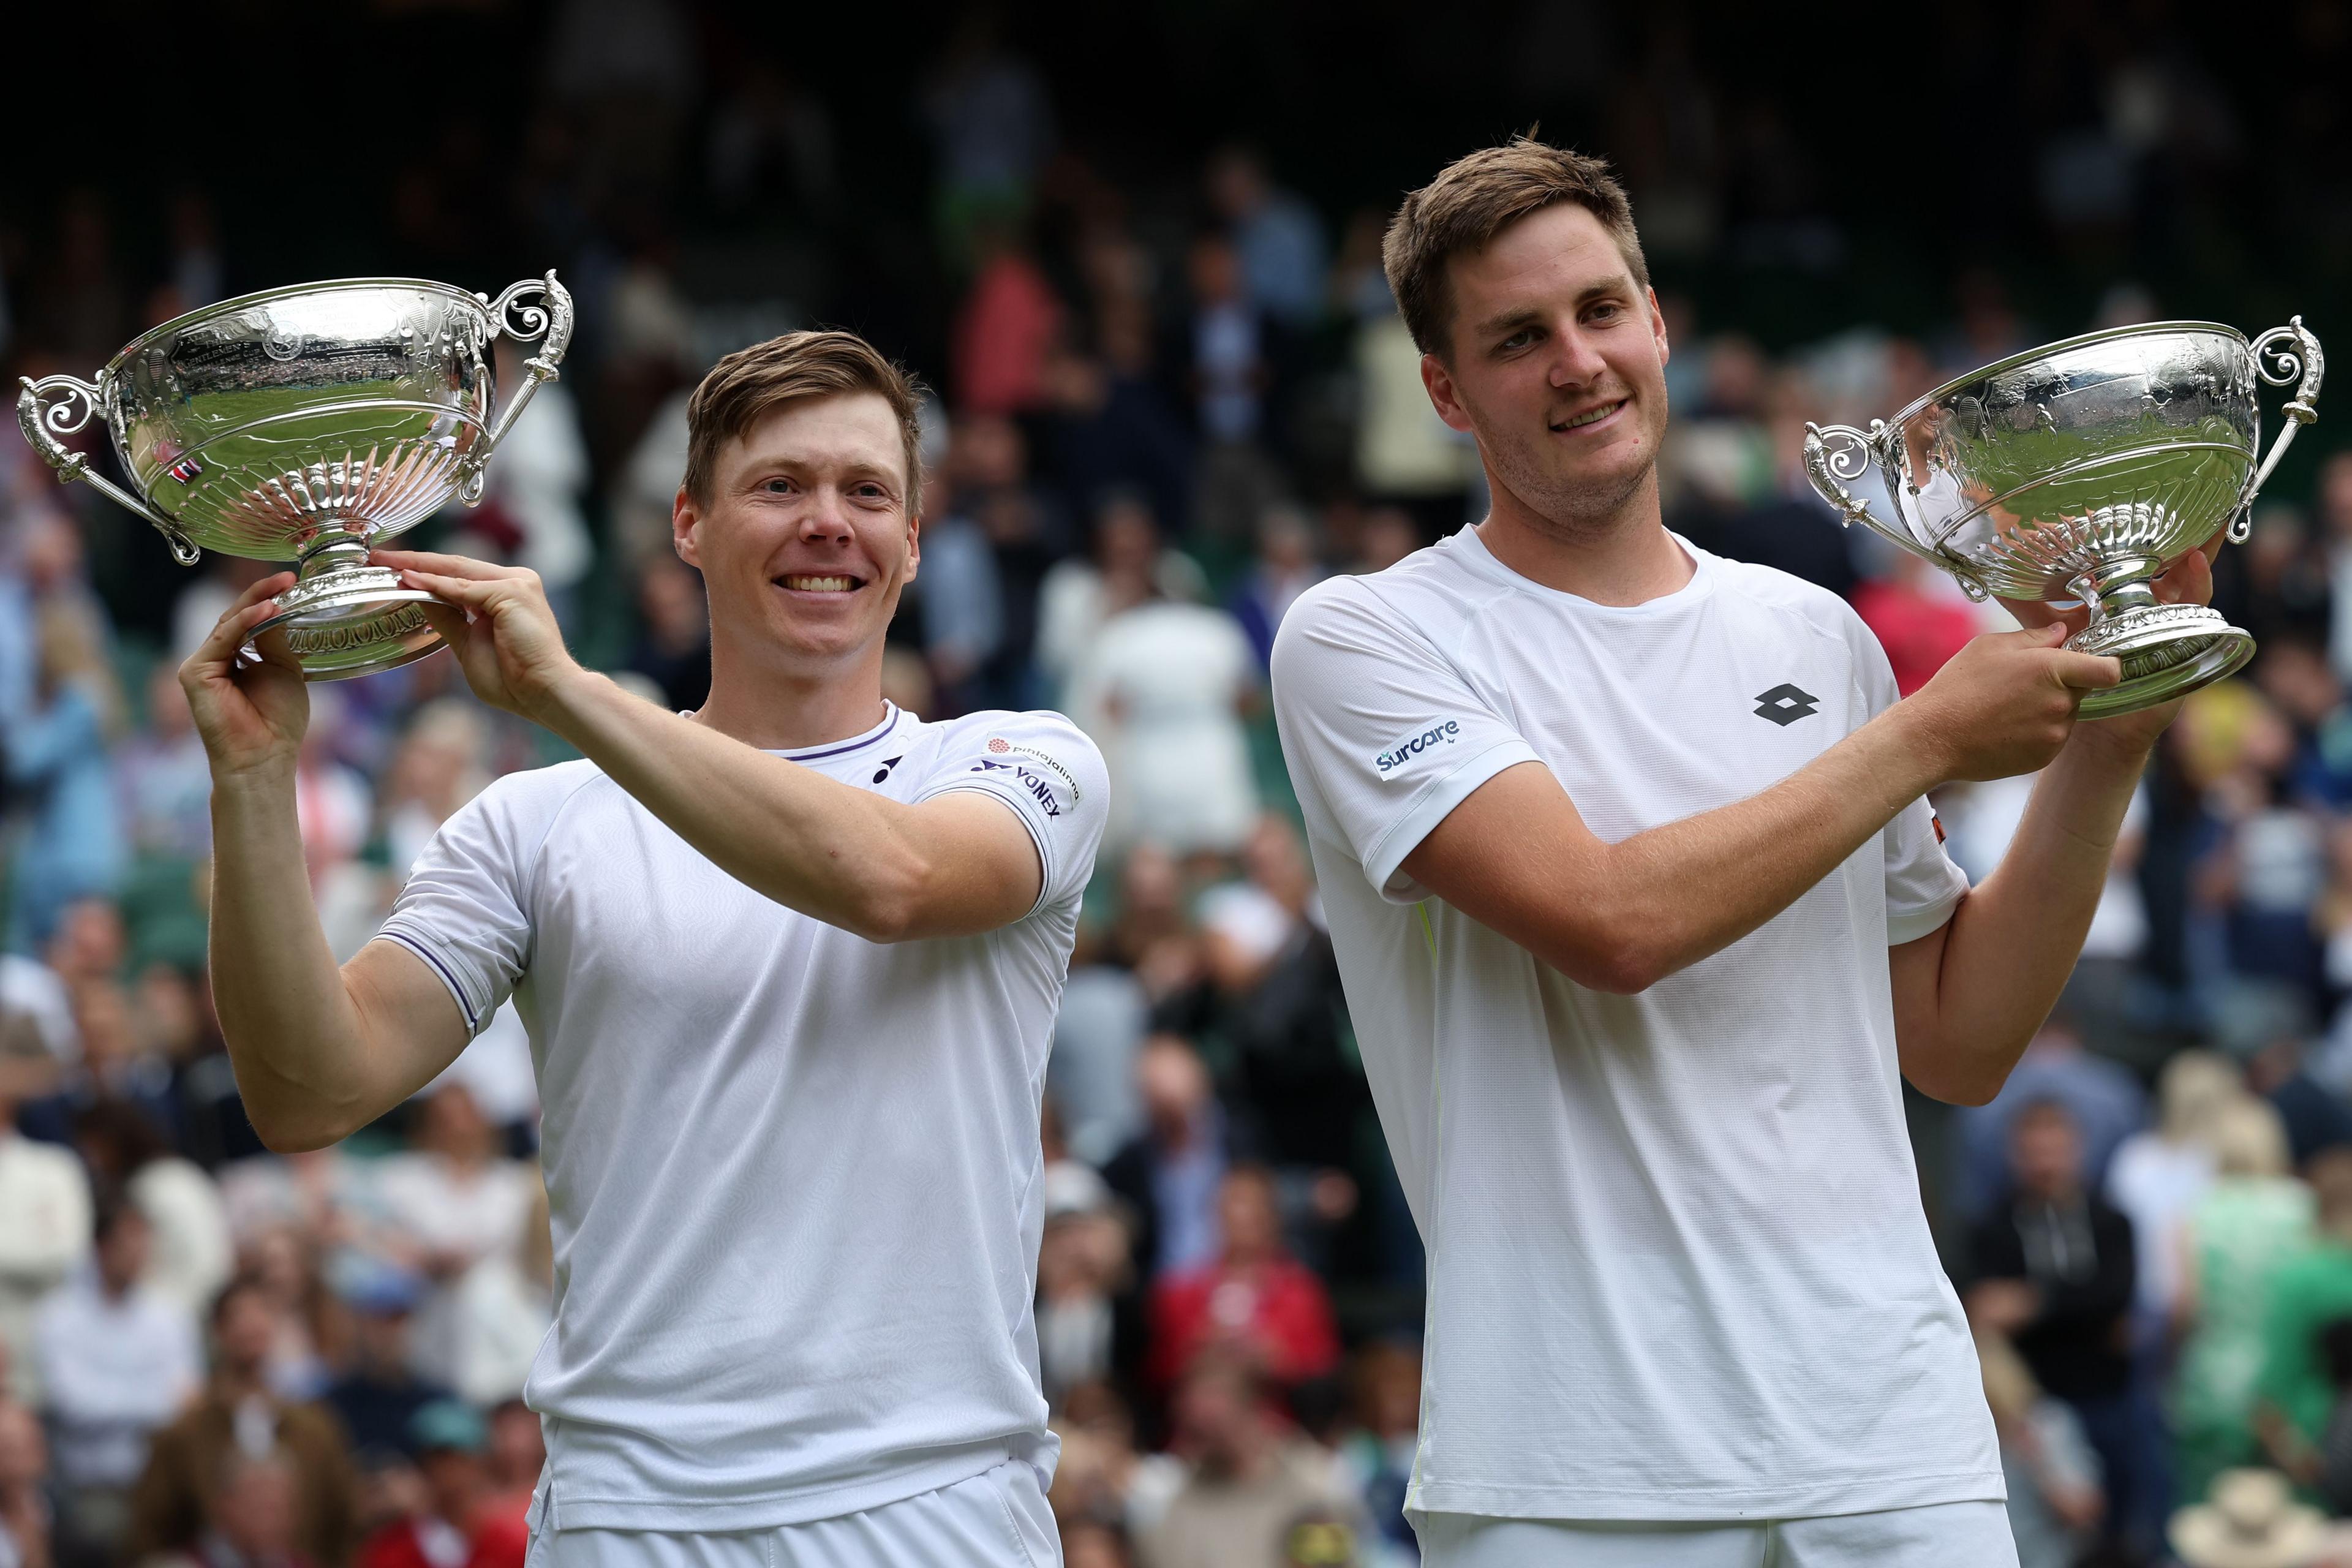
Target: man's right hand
{"points": [[251, 717], [2005, 703]]}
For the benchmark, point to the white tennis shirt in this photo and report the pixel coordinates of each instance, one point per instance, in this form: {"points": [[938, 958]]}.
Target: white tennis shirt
{"points": [[1679, 1268], [794, 1174]]}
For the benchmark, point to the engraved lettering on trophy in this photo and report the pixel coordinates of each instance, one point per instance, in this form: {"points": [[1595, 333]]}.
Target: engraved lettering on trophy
{"points": [[398, 621]]}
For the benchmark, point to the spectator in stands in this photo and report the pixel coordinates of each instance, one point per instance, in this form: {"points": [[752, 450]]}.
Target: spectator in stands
{"points": [[2105, 1102], [2050, 1473], [2055, 1274], [44, 1231], [1127, 565], [453, 1199], [127, 1151], [1164, 691], [1377, 1451], [458, 1526], [57, 754], [1288, 563], [116, 1360], [1254, 1301], [378, 1397], [2240, 1235], [2296, 1391], [1248, 1478], [672, 648], [23, 1501], [2157, 1176], [254, 1511], [240, 1454], [1170, 1173], [1276, 235]]}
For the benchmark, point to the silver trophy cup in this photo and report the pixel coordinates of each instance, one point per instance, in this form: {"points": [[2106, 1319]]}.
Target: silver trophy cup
{"points": [[2079, 472], [307, 425]]}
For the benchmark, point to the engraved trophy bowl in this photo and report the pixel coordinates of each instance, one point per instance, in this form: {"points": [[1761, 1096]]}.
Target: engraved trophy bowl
{"points": [[310, 424], [2078, 472]]}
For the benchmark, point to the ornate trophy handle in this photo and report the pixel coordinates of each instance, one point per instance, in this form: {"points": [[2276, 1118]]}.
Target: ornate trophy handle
{"points": [[2293, 356], [1829, 471], [60, 405], [551, 319]]}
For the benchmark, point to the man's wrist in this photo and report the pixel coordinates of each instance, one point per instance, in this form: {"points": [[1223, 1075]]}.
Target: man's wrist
{"points": [[559, 705], [1913, 748]]}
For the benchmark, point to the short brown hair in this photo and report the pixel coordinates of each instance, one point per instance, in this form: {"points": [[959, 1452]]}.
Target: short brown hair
{"points": [[752, 382], [1476, 197]]}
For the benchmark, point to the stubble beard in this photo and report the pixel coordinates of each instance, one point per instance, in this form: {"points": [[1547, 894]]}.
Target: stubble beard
{"points": [[1584, 511]]}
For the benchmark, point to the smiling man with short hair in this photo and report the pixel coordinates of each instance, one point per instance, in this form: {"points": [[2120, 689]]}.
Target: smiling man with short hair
{"points": [[789, 966], [1642, 918]]}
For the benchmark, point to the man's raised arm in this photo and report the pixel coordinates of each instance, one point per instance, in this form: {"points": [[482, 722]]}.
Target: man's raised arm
{"points": [[1516, 856], [318, 1052]]}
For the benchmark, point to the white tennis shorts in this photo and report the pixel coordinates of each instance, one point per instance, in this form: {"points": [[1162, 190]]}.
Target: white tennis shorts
{"points": [[996, 1519], [1942, 1535]]}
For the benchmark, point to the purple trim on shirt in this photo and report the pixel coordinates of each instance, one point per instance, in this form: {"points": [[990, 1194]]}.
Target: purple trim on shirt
{"points": [[887, 725], [463, 1005]]}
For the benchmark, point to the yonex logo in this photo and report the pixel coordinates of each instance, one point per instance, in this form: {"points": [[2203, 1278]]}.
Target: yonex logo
{"points": [[1785, 704]]}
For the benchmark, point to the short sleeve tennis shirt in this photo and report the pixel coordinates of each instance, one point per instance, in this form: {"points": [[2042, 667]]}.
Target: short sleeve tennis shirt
{"points": [[794, 1174], [1678, 1267]]}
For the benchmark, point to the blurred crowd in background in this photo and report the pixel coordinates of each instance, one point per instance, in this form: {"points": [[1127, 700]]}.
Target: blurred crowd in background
{"points": [[1171, 391]]}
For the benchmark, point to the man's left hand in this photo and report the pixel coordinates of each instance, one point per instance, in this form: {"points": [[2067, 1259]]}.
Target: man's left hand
{"points": [[497, 620], [2190, 582]]}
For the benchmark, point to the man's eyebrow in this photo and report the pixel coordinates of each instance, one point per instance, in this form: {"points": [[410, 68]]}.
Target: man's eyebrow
{"points": [[1527, 316]]}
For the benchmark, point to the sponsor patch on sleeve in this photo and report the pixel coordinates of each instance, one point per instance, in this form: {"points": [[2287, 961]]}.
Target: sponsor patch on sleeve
{"points": [[1442, 732], [1033, 770]]}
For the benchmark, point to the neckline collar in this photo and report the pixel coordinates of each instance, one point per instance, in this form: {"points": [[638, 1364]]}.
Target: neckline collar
{"points": [[1486, 563]]}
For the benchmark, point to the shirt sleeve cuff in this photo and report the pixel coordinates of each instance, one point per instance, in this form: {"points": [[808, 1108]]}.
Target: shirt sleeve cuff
{"points": [[1383, 861], [1046, 869], [474, 1010], [1911, 924]]}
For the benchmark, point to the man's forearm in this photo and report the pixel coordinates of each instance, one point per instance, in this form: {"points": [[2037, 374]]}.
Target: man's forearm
{"points": [[2014, 941], [842, 855], [293, 1033], [1620, 917]]}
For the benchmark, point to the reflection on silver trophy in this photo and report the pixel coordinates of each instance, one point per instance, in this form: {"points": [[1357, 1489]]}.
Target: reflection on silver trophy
{"points": [[2081, 471], [310, 424]]}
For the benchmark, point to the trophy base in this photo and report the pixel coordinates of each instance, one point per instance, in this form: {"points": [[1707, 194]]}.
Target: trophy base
{"points": [[2167, 651], [348, 621]]}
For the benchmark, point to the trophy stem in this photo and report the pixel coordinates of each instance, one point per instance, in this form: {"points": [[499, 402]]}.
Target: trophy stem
{"points": [[345, 618]]}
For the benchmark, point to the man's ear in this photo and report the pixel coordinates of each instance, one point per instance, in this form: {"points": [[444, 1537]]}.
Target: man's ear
{"points": [[914, 546], [685, 524], [1439, 382], [1658, 328]]}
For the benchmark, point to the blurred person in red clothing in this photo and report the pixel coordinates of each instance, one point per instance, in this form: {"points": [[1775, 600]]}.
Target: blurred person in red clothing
{"points": [[255, 1510], [461, 1525], [1917, 617], [1254, 1298]]}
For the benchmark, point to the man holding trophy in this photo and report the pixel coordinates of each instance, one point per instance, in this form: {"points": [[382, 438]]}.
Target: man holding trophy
{"points": [[789, 966], [1642, 915]]}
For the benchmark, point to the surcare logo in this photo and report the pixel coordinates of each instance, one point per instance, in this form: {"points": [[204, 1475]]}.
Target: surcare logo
{"points": [[1439, 734]]}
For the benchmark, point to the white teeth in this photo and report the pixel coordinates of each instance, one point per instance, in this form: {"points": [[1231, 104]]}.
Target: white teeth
{"points": [[819, 585], [1595, 416]]}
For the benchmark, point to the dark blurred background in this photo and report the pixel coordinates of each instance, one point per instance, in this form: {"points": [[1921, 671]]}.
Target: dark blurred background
{"points": [[1135, 252]]}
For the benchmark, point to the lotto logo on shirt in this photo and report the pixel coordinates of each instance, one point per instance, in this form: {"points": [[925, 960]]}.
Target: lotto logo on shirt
{"points": [[1436, 734]]}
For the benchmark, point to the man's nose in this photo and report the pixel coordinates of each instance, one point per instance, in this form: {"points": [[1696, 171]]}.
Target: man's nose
{"points": [[1577, 362], [826, 516]]}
